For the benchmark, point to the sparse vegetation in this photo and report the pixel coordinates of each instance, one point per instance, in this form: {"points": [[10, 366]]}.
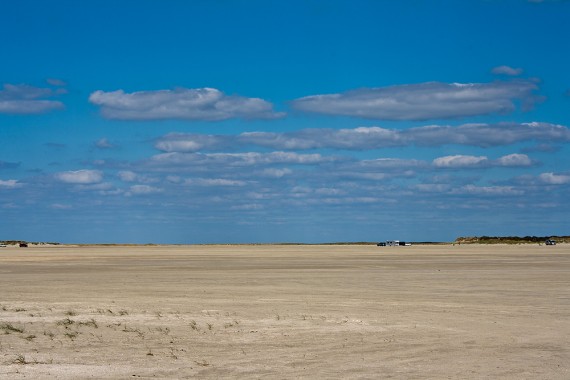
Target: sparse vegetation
{"points": [[65, 322], [71, 334], [8, 328], [510, 239], [21, 359], [89, 323]]}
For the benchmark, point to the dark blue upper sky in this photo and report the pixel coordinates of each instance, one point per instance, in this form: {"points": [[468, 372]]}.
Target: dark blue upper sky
{"points": [[298, 121]]}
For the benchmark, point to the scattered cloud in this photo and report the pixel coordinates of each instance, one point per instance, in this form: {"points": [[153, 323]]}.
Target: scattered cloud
{"points": [[459, 161], [213, 182], [60, 206], [464, 162], [487, 190], [506, 70], [10, 184], [275, 172], [424, 101], [239, 159], [207, 104], [104, 144], [24, 99], [80, 176], [514, 160], [143, 190], [127, 176], [554, 179], [366, 138], [185, 143]]}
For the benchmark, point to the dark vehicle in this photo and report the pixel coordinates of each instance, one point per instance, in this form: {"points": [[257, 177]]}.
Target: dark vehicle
{"points": [[23, 245], [381, 244], [550, 242]]}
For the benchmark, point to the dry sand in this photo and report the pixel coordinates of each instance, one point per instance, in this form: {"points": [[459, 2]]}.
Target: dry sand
{"points": [[356, 312]]}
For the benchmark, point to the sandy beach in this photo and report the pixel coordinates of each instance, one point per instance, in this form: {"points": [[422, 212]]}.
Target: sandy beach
{"points": [[351, 312]]}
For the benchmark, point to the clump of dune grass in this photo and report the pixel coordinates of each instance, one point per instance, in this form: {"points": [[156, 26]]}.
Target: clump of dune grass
{"points": [[71, 334], [20, 359], [89, 323], [9, 328], [66, 322]]}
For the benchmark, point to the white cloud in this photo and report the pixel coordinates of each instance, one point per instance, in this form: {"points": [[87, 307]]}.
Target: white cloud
{"points": [[248, 207], [487, 190], [180, 103], [100, 187], [10, 184], [358, 138], [514, 159], [214, 182], [460, 161], [179, 142], [554, 179], [432, 100], [486, 135], [464, 162], [239, 159], [432, 187], [143, 190], [25, 99], [506, 70], [276, 173], [365, 138], [60, 206], [391, 163], [127, 176], [104, 144], [80, 176]]}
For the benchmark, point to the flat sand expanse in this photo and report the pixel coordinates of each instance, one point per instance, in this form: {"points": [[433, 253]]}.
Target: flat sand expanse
{"points": [[351, 312]]}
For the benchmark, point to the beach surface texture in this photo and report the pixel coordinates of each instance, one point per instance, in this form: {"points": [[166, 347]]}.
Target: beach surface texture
{"points": [[285, 311]]}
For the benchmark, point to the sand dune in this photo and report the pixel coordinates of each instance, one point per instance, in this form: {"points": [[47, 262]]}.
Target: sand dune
{"points": [[356, 312]]}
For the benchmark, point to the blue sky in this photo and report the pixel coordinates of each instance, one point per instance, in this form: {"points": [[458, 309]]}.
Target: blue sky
{"points": [[298, 121]]}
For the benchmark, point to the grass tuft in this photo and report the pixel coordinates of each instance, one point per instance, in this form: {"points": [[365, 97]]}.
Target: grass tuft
{"points": [[10, 328]]}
